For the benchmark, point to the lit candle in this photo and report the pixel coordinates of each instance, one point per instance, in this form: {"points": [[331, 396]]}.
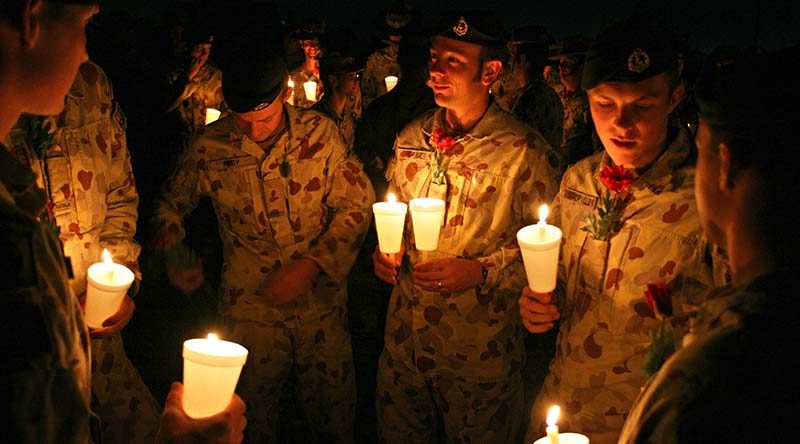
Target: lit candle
{"points": [[540, 245], [212, 115], [390, 217], [211, 369], [554, 437], [310, 89], [552, 420], [290, 84], [427, 215], [391, 82], [107, 284]]}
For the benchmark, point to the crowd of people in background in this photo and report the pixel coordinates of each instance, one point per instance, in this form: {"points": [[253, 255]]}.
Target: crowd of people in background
{"points": [[230, 158]]}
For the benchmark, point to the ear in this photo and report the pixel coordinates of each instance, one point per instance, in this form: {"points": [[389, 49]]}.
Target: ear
{"points": [[726, 173], [31, 22], [676, 96], [491, 71]]}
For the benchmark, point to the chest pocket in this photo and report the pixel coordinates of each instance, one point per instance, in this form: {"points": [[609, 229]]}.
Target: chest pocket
{"points": [[480, 204], [82, 176], [411, 171], [304, 190], [233, 184]]}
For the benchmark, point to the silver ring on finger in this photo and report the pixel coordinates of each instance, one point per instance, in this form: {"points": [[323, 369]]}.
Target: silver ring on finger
{"points": [[439, 284]]}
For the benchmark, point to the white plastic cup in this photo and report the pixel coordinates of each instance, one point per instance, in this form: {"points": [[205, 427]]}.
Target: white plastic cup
{"points": [[211, 369], [310, 88], [540, 246], [390, 219], [565, 438], [391, 82], [106, 287], [427, 216], [212, 115]]}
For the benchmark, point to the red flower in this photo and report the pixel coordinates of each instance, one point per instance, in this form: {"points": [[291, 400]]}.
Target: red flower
{"points": [[441, 141], [616, 178], [659, 299]]}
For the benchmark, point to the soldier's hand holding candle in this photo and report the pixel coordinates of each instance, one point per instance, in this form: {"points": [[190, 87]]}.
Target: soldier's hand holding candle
{"points": [[537, 310]]}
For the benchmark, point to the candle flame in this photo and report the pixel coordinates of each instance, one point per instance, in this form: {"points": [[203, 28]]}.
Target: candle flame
{"points": [[543, 212], [213, 337], [552, 415], [391, 197], [107, 256]]}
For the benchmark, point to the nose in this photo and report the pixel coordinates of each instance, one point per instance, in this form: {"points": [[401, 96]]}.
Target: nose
{"points": [[624, 117]]}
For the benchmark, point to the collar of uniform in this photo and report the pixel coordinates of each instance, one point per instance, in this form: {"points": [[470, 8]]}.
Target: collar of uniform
{"points": [[485, 126], [658, 177]]}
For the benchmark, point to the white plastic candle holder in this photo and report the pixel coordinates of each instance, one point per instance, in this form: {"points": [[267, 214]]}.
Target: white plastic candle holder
{"points": [[391, 82], [427, 216], [107, 283], [540, 245], [565, 438], [211, 369], [212, 115], [390, 219], [310, 88]]}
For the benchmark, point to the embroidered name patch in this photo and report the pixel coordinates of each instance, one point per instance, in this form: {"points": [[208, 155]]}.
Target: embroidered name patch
{"points": [[580, 198]]}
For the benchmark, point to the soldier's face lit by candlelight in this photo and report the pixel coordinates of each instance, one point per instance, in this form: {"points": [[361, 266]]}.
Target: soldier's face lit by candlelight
{"points": [[260, 125], [456, 75], [631, 118]]}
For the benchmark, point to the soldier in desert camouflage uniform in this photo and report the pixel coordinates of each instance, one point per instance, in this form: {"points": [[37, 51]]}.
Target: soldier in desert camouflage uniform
{"points": [[453, 344], [632, 76], [309, 35], [292, 207], [383, 62], [86, 173], [340, 75]]}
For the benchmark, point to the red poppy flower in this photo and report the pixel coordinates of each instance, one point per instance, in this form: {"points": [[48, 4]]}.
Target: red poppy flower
{"points": [[441, 141], [616, 178], [659, 299]]}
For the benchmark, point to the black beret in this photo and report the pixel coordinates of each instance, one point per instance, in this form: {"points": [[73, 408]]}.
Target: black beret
{"points": [[253, 81], [340, 64], [630, 51], [478, 27]]}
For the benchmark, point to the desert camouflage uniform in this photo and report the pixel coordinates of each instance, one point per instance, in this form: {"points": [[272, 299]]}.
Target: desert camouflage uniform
{"points": [[87, 174], [605, 322], [577, 141], [380, 64], [458, 356], [345, 122], [506, 89], [202, 92], [304, 197], [45, 388], [540, 107], [300, 76]]}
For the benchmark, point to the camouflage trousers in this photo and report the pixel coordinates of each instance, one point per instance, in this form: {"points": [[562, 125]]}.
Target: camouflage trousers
{"points": [[414, 408], [321, 358], [127, 409]]}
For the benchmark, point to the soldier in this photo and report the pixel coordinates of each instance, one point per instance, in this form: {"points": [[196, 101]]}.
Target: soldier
{"points": [[82, 162], [45, 389], [629, 220], [453, 344], [293, 207], [536, 104], [733, 381], [309, 36], [383, 62], [340, 75], [577, 140], [198, 86]]}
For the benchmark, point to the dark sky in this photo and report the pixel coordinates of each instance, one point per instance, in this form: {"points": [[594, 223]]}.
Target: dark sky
{"points": [[770, 24]]}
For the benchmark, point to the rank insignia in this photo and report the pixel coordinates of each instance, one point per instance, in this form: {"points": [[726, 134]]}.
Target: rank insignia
{"points": [[461, 27], [638, 61]]}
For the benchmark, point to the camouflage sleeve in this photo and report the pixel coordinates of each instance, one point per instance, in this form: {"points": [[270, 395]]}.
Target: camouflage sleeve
{"points": [[349, 196], [369, 88], [180, 196], [122, 199], [535, 186]]}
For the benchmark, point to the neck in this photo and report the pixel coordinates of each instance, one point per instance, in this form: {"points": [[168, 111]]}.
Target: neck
{"points": [[312, 64], [336, 101], [464, 120]]}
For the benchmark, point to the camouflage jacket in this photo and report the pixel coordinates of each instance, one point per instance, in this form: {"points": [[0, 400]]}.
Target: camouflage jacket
{"points": [[300, 76], [302, 197], [345, 122], [87, 174], [722, 386], [497, 174], [380, 64], [506, 89], [540, 107], [46, 382], [605, 321], [577, 141], [195, 96]]}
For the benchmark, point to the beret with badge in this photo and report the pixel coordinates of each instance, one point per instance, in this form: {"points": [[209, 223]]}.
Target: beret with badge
{"points": [[253, 82], [476, 27], [631, 51]]}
